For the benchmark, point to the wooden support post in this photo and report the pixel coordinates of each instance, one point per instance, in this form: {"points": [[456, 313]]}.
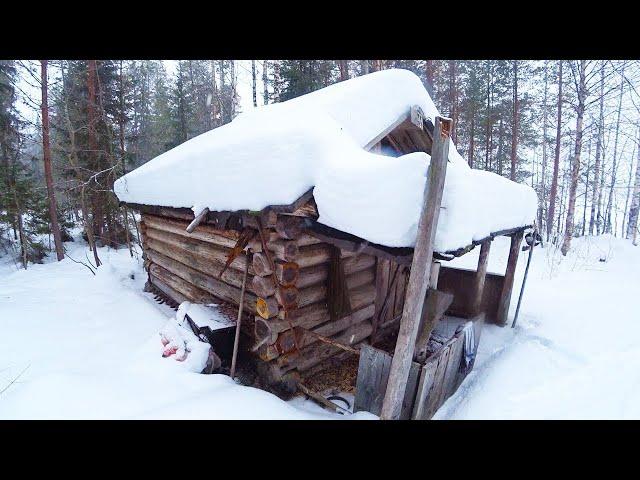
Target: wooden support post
{"points": [[481, 275], [420, 272], [509, 276]]}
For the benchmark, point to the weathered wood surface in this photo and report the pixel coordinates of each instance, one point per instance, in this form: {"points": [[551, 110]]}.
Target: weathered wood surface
{"points": [[443, 372], [480, 277], [318, 352], [509, 277], [167, 290], [460, 282], [216, 287], [286, 341], [161, 277], [420, 272], [435, 305], [208, 266], [373, 376], [195, 250]]}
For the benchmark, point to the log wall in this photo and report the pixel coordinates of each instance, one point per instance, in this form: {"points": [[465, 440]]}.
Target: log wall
{"points": [[289, 306]]}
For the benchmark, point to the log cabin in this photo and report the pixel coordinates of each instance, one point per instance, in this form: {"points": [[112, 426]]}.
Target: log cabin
{"points": [[320, 201]]}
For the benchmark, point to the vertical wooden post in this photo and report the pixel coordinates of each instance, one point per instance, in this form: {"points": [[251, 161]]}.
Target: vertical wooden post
{"points": [[420, 272], [481, 275], [509, 276]]}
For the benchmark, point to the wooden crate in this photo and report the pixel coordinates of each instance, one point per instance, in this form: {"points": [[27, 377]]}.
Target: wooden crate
{"points": [[429, 385]]}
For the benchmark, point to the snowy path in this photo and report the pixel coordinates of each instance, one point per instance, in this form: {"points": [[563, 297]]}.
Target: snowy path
{"points": [[91, 350], [576, 350], [90, 345]]}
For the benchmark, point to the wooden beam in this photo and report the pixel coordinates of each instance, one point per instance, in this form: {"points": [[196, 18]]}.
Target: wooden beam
{"points": [[509, 277], [481, 275], [420, 272]]}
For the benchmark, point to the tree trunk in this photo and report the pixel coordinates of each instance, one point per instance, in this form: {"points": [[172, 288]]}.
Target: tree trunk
{"points": [[344, 70], [514, 130], [489, 126], [254, 83], [626, 200], [429, 74], [586, 190], [46, 149], [632, 226], [453, 98], [472, 138], [265, 82], [543, 181], [614, 165], [556, 159], [575, 164], [593, 220]]}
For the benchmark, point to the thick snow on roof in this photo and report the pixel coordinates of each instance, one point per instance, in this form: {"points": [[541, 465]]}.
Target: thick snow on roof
{"points": [[273, 154]]}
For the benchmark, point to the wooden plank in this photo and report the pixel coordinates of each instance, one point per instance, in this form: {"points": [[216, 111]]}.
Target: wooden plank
{"points": [[382, 283], [425, 384], [420, 272], [373, 374], [435, 304], [509, 277], [460, 282], [480, 277], [436, 393]]}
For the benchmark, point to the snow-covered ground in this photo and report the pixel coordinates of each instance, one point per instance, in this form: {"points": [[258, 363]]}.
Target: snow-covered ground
{"points": [[84, 346]]}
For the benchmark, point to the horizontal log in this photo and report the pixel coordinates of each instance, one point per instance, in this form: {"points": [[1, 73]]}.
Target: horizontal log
{"points": [[161, 276], [267, 307], [362, 296], [320, 351], [287, 296], [289, 227], [206, 251], [263, 286], [292, 297], [287, 273], [313, 255], [216, 287], [208, 266], [261, 265], [286, 341], [318, 273], [314, 317], [286, 250], [167, 290]]}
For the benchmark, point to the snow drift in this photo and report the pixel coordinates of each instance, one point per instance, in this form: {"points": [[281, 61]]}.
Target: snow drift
{"points": [[273, 154]]}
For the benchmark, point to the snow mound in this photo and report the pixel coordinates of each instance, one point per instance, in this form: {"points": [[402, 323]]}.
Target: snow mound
{"points": [[273, 154]]}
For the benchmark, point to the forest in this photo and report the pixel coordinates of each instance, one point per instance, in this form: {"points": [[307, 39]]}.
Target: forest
{"points": [[69, 128]]}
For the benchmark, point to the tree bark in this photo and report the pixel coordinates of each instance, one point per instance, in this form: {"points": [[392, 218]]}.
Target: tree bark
{"points": [[632, 226], [344, 70], [614, 165], [556, 160], [514, 130], [48, 173], [254, 83], [453, 98], [545, 122], [593, 220], [575, 164]]}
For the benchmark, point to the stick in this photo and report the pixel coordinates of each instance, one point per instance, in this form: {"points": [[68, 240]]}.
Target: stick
{"points": [[524, 280], [196, 221], [320, 399], [238, 322]]}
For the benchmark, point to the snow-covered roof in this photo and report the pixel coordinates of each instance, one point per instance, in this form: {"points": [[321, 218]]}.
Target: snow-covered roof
{"points": [[273, 154]]}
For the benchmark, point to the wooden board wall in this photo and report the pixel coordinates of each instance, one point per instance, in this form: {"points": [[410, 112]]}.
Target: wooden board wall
{"points": [[460, 282]]}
